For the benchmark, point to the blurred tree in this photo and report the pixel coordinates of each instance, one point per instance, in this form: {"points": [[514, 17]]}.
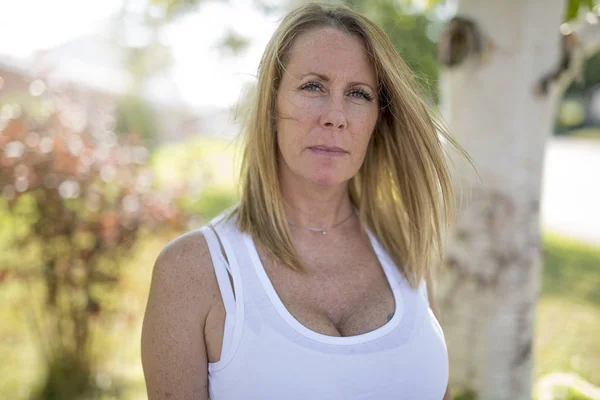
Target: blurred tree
{"points": [[145, 59], [147, 56], [78, 199], [137, 29], [233, 42], [151, 56], [504, 67]]}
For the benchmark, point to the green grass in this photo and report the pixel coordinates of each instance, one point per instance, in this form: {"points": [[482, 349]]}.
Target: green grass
{"points": [[568, 313]]}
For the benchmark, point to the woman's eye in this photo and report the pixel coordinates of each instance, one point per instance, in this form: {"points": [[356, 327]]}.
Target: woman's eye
{"points": [[361, 94], [355, 93], [311, 87]]}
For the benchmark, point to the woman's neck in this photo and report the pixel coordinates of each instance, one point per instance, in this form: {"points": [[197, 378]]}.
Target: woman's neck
{"points": [[315, 206]]}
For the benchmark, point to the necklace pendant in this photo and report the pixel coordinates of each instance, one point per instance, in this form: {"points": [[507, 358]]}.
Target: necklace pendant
{"points": [[324, 232]]}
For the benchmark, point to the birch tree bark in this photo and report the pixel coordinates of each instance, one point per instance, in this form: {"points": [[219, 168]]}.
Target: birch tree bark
{"points": [[488, 293]]}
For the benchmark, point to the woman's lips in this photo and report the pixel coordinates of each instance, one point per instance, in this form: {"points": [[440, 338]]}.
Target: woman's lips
{"points": [[328, 151]]}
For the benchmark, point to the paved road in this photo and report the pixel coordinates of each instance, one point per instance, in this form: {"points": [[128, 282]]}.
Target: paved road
{"points": [[571, 189]]}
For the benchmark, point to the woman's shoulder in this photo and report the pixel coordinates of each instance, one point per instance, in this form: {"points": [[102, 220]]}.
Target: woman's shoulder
{"points": [[186, 249], [189, 252], [184, 270], [183, 291]]}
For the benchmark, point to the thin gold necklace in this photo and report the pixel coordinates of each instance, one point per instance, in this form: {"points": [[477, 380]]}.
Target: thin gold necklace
{"points": [[324, 230]]}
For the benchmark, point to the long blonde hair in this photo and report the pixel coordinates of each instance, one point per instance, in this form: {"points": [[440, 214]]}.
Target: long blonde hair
{"points": [[403, 189]]}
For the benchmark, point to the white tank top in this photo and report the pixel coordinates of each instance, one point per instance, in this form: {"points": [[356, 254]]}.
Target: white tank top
{"points": [[268, 354]]}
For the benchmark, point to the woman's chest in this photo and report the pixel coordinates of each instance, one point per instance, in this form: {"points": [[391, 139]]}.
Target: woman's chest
{"points": [[345, 291]]}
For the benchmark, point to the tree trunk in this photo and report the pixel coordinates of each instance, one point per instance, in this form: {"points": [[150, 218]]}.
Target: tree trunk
{"points": [[488, 293]]}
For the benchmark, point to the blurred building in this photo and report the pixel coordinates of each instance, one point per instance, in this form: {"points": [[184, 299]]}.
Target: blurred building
{"points": [[14, 78], [91, 69]]}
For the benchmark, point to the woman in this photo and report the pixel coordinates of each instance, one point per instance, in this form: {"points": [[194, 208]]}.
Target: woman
{"points": [[313, 287]]}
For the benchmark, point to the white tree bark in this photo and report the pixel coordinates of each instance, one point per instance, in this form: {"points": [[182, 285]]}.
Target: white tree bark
{"points": [[488, 293]]}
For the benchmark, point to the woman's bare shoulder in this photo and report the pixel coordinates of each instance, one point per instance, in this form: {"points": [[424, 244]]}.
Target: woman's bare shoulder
{"points": [[185, 262], [188, 250], [182, 292]]}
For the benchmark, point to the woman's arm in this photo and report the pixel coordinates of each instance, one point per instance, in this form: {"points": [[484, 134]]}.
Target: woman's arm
{"points": [[173, 348], [432, 305]]}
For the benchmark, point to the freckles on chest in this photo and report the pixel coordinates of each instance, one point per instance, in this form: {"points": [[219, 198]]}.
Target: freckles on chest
{"points": [[345, 291], [342, 272]]}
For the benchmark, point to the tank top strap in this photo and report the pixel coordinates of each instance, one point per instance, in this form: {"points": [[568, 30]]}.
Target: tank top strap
{"points": [[218, 234], [388, 264], [236, 243], [221, 268], [226, 231]]}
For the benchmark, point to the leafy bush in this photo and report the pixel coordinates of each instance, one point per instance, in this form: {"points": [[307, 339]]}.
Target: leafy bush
{"points": [[203, 166], [75, 199], [135, 115]]}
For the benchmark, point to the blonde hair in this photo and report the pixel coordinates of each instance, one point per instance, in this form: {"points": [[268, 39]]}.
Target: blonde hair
{"points": [[403, 189]]}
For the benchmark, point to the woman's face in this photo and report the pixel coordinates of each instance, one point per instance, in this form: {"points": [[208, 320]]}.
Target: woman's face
{"points": [[327, 107]]}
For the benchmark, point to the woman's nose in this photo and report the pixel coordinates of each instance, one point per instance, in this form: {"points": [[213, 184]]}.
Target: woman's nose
{"points": [[333, 115]]}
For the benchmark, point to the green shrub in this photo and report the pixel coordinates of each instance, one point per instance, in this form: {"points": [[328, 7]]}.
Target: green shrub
{"points": [[73, 206], [210, 202], [135, 115]]}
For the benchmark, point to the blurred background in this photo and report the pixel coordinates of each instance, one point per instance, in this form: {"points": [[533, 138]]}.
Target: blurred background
{"points": [[117, 133]]}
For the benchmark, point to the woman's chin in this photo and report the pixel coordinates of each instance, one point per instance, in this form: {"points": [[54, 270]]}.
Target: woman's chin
{"points": [[329, 178]]}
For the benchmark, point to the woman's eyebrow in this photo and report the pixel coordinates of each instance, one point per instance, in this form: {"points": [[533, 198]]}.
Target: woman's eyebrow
{"points": [[325, 78], [322, 77]]}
